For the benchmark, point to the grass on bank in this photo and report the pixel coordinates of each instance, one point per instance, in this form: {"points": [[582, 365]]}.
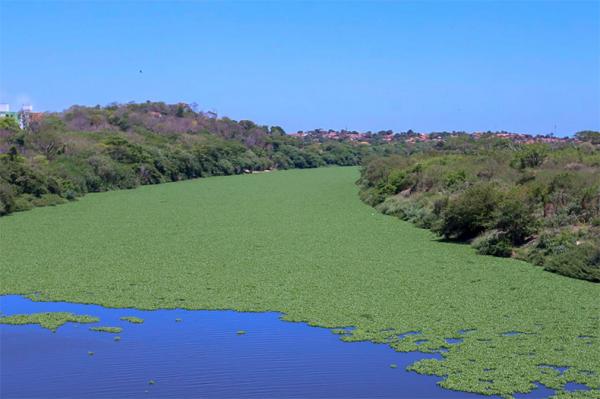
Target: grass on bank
{"points": [[301, 242]]}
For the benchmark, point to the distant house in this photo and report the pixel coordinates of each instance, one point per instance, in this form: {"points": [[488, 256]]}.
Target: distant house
{"points": [[36, 116], [23, 117]]}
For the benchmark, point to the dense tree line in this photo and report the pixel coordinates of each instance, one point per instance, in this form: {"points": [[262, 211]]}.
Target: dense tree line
{"points": [[91, 149], [537, 202]]}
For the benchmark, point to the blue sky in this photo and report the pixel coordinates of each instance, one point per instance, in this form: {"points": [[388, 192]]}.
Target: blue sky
{"points": [[426, 66]]}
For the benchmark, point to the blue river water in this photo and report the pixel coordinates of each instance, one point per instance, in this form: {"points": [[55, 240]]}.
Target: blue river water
{"points": [[179, 354]]}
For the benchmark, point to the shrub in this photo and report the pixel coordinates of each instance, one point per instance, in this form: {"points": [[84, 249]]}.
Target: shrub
{"points": [[530, 157], [225, 167], [455, 178], [23, 203], [70, 195], [7, 199], [579, 261], [392, 206], [48, 200], [470, 213], [398, 181], [515, 218], [372, 196], [418, 212], [493, 243], [550, 243]]}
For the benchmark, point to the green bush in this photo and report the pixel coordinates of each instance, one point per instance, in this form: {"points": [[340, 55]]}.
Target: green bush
{"points": [[398, 181], [48, 200], [530, 157], [418, 212], [515, 218], [578, 261], [7, 199], [493, 243], [568, 252], [23, 203], [455, 178], [392, 206], [470, 213], [9, 125]]}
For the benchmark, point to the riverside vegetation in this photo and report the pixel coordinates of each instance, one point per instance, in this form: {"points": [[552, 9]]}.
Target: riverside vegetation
{"points": [[536, 202], [302, 243], [91, 149]]}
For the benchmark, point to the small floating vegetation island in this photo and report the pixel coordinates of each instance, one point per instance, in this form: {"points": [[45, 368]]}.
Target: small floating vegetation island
{"points": [[51, 320], [112, 330], [132, 319]]}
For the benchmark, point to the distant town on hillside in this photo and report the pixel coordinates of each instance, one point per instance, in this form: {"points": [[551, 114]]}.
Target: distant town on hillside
{"points": [[411, 136], [26, 115]]}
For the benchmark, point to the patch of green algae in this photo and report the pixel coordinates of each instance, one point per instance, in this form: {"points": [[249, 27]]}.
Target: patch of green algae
{"points": [[49, 320], [301, 242]]}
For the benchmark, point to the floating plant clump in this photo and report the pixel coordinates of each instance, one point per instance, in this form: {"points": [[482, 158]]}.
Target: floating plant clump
{"points": [[50, 320], [112, 330], [132, 319]]}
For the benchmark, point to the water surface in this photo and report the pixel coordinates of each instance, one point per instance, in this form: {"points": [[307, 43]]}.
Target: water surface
{"points": [[200, 356]]}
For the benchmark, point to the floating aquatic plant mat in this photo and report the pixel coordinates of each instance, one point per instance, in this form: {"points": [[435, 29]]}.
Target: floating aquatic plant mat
{"points": [[50, 320], [302, 243]]}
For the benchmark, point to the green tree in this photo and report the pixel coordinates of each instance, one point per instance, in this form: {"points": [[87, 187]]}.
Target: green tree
{"points": [[9, 125], [531, 156]]}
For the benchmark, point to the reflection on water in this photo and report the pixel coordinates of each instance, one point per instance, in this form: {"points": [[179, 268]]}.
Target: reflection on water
{"points": [[197, 354]]}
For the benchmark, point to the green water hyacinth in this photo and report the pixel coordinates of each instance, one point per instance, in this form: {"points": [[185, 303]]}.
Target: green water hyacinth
{"points": [[50, 320], [132, 319], [112, 330], [301, 242]]}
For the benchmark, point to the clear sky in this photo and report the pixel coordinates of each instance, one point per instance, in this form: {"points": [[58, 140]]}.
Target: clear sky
{"points": [[518, 66]]}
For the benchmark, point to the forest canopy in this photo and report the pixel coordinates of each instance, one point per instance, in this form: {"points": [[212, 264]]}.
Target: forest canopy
{"points": [[64, 155]]}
